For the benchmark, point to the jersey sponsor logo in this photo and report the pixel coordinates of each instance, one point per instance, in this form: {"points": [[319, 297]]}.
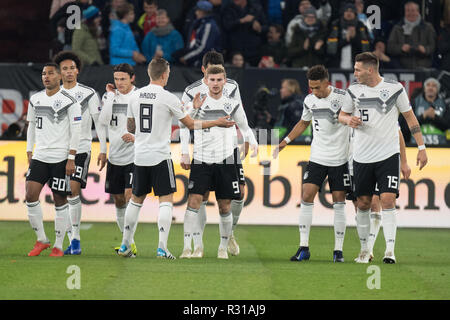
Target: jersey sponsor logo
{"points": [[147, 95]]}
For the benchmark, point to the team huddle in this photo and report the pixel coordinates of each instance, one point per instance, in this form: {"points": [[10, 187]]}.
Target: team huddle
{"points": [[138, 123]]}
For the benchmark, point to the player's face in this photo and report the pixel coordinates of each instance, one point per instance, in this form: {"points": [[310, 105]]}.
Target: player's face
{"points": [[69, 71], [50, 77], [216, 82], [361, 73], [123, 81], [319, 88]]}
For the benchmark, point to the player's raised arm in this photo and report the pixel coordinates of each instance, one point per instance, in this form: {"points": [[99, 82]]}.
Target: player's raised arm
{"points": [[414, 127], [107, 103]]}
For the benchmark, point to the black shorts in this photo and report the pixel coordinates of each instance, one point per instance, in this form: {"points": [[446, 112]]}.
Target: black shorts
{"points": [[159, 178], [338, 177], [350, 195], [385, 175], [82, 161], [239, 168], [118, 178], [219, 177], [53, 173]]}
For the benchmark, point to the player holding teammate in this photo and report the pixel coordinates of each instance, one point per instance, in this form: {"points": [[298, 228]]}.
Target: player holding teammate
{"points": [[329, 154], [376, 147], [150, 119], [54, 127], [119, 170], [213, 166], [230, 89], [70, 65]]}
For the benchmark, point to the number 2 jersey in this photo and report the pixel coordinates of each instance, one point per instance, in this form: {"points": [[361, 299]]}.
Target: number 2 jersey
{"points": [[114, 115], [330, 143], [53, 117], [378, 107], [152, 108]]}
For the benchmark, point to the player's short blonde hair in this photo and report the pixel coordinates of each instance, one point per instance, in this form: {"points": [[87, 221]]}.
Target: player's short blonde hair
{"points": [[215, 69], [157, 67]]}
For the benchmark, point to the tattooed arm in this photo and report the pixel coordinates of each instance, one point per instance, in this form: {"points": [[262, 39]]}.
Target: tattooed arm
{"points": [[414, 127], [131, 125]]}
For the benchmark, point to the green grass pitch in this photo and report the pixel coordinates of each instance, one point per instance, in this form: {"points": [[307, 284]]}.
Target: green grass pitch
{"points": [[262, 271]]}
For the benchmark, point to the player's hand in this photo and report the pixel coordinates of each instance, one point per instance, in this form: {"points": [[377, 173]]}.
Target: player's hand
{"points": [[185, 162], [70, 167], [243, 150], [254, 148], [225, 122], [278, 148], [422, 159], [354, 122], [128, 137], [101, 160], [406, 170], [110, 88], [29, 156], [198, 102]]}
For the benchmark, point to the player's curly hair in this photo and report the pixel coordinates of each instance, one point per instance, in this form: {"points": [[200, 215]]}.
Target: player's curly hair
{"points": [[67, 55], [317, 72], [212, 57], [124, 67]]}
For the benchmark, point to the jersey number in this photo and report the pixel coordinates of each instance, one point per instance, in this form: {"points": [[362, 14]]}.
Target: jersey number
{"points": [[146, 118], [59, 184], [113, 121], [39, 122], [392, 182], [316, 124], [346, 180], [364, 114]]}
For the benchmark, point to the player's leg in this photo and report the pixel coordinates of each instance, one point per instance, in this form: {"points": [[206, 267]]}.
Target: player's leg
{"points": [[61, 214], [236, 209], [201, 218], [225, 226], [375, 221]]}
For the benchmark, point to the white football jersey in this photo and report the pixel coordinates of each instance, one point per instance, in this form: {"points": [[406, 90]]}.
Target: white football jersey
{"points": [[53, 117], [90, 104], [378, 107], [230, 90], [213, 145], [115, 108], [153, 107], [330, 143]]}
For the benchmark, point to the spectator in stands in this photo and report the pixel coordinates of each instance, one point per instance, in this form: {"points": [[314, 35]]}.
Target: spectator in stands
{"points": [[273, 9], [348, 37], [386, 62], [244, 22], [444, 47], [307, 47], [163, 40], [275, 47], [359, 4], [237, 60], [291, 108], [85, 40], [190, 18], [122, 45], [413, 40], [323, 14], [432, 113], [204, 37], [148, 20], [56, 5]]}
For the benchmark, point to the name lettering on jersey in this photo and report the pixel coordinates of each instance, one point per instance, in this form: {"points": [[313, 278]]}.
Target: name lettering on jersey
{"points": [[147, 95]]}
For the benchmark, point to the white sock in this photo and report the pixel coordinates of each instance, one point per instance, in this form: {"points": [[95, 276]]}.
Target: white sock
{"points": [[190, 219], [389, 228], [339, 225], [164, 223], [375, 223], [75, 216], [69, 228], [236, 209], [120, 217], [36, 220], [201, 217], [225, 228], [363, 227], [305, 221], [61, 224], [131, 221], [196, 231]]}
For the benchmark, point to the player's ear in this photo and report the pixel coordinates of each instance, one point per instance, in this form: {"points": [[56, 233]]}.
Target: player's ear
{"points": [[133, 78]]}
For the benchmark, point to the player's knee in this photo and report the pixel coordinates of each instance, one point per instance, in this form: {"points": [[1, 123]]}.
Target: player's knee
{"points": [[206, 196], [119, 201], [387, 202], [242, 192], [364, 203], [59, 200], [31, 197], [194, 201], [308, 197]]}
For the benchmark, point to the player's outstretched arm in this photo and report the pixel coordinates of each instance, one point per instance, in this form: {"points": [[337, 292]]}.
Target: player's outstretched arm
{"points": [[299, 128], [404, 167], [349, 120], [192, 124], [414, 127]]}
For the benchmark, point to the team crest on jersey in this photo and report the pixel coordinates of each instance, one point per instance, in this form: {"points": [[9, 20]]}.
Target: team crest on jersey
{"points": [[227, 107], [57, 104], [384, 95], [79, 96], [335, 105]]}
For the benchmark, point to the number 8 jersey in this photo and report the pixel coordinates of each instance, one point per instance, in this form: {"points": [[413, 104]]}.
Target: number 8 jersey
{"points": [[378, 107], [152, 108]]}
